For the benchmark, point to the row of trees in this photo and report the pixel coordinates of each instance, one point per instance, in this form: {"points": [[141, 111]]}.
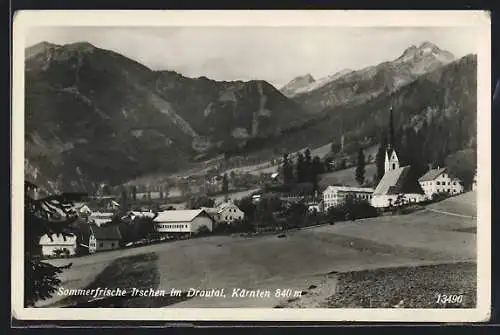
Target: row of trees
{"points": [[305, 169], [429, 144]]}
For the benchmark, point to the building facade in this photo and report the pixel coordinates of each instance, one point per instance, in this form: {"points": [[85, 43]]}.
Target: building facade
{"points": [[334, 196], [398, 186], [229, 213], [437, 181], [103, 238], [183, 221], [58, 245]]}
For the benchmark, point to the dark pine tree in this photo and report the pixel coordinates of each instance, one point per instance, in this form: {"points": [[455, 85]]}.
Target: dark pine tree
{"points": [[317, 168], [380, 158], [308, 173], [300, 168], [360, 167], [392, 134], [287, 170], [134, 193], [225, 184], [124, 203]]}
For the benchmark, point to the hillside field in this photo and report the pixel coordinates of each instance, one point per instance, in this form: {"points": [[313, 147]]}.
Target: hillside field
{"points": [[301, 259]]}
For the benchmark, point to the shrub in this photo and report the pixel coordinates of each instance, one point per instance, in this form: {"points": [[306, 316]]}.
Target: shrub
{"points": [[203, 230], [440, 196], [351, 210]]}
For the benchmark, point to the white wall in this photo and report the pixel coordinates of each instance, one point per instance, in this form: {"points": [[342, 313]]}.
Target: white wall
{"points": [[184, 227], [102, 245], [231, 214], [173, 227], [446, 184], [381, 201], [333, 197], [48, 250]]}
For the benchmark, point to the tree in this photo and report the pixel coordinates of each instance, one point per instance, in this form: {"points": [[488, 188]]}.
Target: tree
{"points": [[316, 169], [308, 173], [462, 164], [49, 215], [380, 158], [199, 201], [134, 193], [296, 214], [342, 164], [287, 170], [247, 206], [392, 134], [124, 203], [225, 184], [300, 168], [360, 168], [328, 164], [183, 186]]}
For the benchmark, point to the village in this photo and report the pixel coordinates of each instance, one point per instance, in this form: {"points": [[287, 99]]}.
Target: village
{"points": [[287, 200]]}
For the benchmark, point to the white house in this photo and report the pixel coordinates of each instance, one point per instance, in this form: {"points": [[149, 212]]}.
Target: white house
{"points": [[67, 243], [228, 212], [396, 182], [336, 195], [438, 180], [187, 221]]}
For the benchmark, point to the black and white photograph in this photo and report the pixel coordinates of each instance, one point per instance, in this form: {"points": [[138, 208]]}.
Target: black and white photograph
{"points": [[286, 165]]}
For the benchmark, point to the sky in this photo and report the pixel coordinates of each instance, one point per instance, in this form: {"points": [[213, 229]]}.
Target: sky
{"points": [[274, 54]]}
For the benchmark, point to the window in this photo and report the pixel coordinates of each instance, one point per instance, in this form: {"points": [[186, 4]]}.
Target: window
{"points": [[454, 183], [101, 244], [112, 245], [437, 183]]}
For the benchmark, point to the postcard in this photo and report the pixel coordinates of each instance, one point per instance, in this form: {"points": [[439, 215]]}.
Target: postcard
{"points": [[251, 165]]}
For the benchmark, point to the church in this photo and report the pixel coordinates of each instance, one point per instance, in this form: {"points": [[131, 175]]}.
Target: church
{"points": [[397, 182]]}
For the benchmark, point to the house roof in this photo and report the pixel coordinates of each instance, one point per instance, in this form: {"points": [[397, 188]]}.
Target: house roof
{"points": [[398, 181], [432, 174], [185, 215], [349, 189], [108, 232], [58, 239], [225, 205], [210, 210]]}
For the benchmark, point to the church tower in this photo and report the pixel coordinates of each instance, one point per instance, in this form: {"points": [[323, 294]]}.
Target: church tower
{"points": [[391, 158]]}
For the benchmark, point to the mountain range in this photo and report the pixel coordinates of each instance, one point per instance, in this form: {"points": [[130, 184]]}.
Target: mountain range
{"points": [[95, 116], [348, 86]]}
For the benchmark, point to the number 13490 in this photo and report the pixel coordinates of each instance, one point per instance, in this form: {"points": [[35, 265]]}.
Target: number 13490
{"points": [[450, 298]]}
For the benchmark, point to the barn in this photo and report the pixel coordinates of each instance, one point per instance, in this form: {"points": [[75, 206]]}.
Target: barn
{"points": [[183, 222]]}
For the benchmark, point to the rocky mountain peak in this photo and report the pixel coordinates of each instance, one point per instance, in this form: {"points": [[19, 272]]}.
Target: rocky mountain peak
{"points": [[297, 83], [426, 50]]}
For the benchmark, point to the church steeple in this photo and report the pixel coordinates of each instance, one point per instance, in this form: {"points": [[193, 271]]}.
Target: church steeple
{"points": [[391, 157], [392, 136]]}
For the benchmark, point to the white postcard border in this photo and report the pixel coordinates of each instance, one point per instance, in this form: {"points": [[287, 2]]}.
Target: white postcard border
{"points": [[474, 19]]}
